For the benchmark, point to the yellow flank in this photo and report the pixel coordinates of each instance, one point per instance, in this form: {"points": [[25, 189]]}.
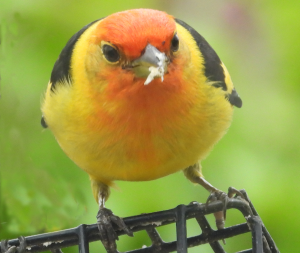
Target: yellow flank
{"points": [[116, 128]]}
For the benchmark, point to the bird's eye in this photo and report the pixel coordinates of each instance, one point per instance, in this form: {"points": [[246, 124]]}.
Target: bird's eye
{"points": [[175, 43], [110, 53]]}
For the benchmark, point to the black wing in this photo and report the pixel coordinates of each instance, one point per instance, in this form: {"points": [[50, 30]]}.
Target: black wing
{"points": [[212, 64], [61, 69]]}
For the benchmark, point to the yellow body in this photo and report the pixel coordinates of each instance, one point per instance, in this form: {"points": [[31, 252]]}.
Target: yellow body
{"points": [[116, 128]]}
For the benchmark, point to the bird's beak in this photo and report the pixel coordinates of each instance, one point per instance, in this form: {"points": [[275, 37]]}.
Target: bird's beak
{"points": [[151, 64]]}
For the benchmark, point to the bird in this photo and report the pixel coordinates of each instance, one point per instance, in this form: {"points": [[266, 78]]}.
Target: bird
{"points": [[136, 96]]}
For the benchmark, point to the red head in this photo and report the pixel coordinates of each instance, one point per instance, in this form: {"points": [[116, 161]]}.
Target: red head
{"points": [[132, 30]]}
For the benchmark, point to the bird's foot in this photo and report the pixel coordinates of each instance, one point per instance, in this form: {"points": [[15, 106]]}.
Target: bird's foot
{"points": [[6, 249], [220, 195], [108, 236]]}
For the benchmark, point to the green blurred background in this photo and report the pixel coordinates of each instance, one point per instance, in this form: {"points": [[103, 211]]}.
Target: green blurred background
{"points": [[41, 190]]}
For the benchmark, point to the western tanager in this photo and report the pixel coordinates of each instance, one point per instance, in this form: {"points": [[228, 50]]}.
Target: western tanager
{"points": [[136, 96]]}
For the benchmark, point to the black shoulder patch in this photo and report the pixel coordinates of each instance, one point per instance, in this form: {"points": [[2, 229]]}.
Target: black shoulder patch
{"points": [[212, 62], [43, 122], [61, 69], [235, 99]]}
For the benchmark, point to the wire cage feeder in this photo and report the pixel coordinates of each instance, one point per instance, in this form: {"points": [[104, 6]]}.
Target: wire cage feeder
{"points": [[82, 235]]}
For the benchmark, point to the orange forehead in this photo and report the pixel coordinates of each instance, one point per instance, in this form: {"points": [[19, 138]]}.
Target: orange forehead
{"points": [[132, 30]]}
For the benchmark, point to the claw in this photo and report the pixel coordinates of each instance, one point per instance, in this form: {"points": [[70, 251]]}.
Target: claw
{"points": [[6, 249], [12, 249], [219, 195], [194, 174], [23, 244], [232, 191], [108, 236], [120, 223]]}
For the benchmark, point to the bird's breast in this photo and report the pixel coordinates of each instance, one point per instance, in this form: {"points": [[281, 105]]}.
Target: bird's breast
{"points": [[146, 132]]}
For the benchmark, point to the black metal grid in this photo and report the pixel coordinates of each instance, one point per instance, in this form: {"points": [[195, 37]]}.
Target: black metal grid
{"points": [[82, 235]]}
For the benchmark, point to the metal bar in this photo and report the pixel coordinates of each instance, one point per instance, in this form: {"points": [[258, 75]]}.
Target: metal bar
{"points": [[197, 240], [207, 230], [256, 229], [181, 229], [83, 242], [84, 234], [266, 246], [270, 241], [166, 247], [56, 251]]}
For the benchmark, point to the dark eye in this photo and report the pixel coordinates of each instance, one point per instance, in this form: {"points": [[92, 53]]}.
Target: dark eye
{"points": [[110, 53], [175, 43]]}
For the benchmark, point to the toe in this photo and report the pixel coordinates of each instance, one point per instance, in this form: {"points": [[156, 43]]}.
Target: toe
{"points": [[108, 235], [232, 191], [220, 219], [6, 249], [23, 244], [121, 224]]}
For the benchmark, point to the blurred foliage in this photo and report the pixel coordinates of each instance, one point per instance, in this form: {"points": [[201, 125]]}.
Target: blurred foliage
{"points": [[42, 190]]}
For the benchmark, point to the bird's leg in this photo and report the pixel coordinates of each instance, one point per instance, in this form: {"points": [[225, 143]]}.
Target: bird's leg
{"points": [[106, 218], [193, 173]]}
